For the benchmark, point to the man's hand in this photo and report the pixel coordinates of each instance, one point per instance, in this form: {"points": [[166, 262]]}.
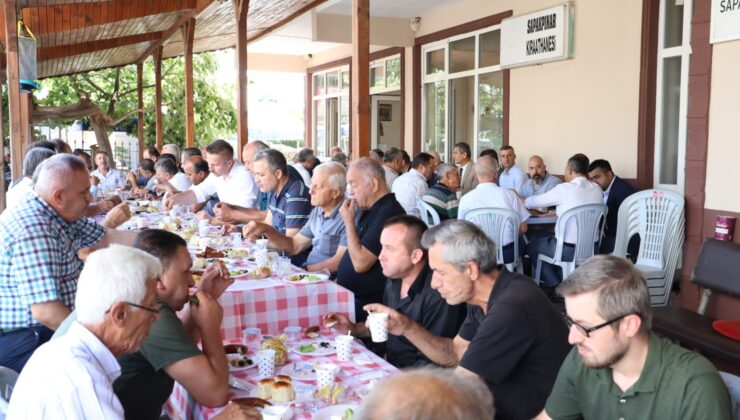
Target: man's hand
{"points": [[118, 215], [131, 177], [253, 230], [347, 211], [94, 180], [169, 202], [228, 228], [398, 323], [115, 200], [104, 206], [238, 412], [343, 324], [215, 280], [224, 212], [207, 313]]}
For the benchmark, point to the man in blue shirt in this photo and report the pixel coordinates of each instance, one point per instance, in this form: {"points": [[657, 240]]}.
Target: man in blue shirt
{"points": [[540, 181]]}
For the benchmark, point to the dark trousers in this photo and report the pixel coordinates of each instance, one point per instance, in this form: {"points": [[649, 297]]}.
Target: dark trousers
{"points": [[16, 347], [550, 275]]}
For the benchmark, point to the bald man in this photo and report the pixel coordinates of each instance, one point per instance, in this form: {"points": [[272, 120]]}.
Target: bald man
{"points": [[540, 181]]}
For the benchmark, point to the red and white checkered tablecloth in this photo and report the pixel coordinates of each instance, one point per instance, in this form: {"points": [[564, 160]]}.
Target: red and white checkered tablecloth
{"points": [[364, 367]]}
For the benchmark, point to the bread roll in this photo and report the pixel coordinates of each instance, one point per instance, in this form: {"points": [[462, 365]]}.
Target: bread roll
{"points": [[264, 388], [282, 392]]}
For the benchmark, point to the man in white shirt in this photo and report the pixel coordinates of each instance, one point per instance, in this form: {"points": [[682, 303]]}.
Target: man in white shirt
{"points": [[512, 177], [109, 178], [392, 165], [576, 191], [488, 194], [33, 159], [303, 163], [166, 170], [411, 186], [228, 178], [72, 377]]}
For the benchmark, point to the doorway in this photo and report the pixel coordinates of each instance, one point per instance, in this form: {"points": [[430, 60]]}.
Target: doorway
{"points": [[385, 122]]}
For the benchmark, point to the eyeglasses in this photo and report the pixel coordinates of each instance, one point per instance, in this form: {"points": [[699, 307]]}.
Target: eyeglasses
{"points": [[587, 331], [146, 308]]}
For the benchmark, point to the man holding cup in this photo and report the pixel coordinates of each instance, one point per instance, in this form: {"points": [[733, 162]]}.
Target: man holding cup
{"points": [[408, 291], [512, 337]]}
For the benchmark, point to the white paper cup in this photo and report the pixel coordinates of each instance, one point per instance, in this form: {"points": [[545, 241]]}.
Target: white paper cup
{"points": [[343, 344], [236, 238], [378, 324], [266, 363], [325, 375], [275, 412]]}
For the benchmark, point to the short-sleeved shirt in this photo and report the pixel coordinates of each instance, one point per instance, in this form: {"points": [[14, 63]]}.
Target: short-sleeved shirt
{"points": [[38, 259], [516, 346], [443, 200], [549, 182], [488, 194], [144, 386], [409, 188], [110, 181], [237, 188], [675, 383], [425, 306], [368, 287], [291, 207], [325, 232], [263, 200]]}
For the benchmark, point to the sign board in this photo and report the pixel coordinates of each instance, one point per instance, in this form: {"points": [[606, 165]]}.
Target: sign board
{"points": [[725, 21], [537, 37]]}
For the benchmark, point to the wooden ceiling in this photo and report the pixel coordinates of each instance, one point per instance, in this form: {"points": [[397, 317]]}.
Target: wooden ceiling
{"points": [[77, 36]]}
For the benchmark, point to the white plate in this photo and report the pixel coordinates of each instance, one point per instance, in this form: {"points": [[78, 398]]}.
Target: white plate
{"points": [[237, 368], [304, 372], [332, 410], [320, 351], [315, 278]]}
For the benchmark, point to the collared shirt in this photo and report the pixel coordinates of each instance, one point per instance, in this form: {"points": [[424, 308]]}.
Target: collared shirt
{"points": [[549, 182], [489, 194], [68, 378], [38, 259], [512, 178], [325, 232], [409, 188], [290, 208], [263, 200], [237, 188], [675, 383], [425, 306], [303, 172], [390, 176], [180, 181], [606, 193], [110, 181], [516, 346], [17, 192], [578, 192], [443, 200]]}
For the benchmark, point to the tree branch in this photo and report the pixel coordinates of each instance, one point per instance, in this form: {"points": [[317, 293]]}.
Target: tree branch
{"points": [[126, 115], [130, 91], [93, 84]]}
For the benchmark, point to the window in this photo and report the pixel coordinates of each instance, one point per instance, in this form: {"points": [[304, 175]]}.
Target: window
{"points": [[385, 75], [674, 54], [330, 107], [463, 92]]}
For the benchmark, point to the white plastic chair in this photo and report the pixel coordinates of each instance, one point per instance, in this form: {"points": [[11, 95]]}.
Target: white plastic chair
{"points": [[657, 216], [589, 224], [8, 377], [428, 214], [493, 221]]}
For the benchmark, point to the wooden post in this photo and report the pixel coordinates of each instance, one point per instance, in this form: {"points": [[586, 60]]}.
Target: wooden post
{"points": [[140, 93], [360, 78], [14, 88], [26, 124], [241, 8], [2, 148], [158, 96], [188, 32]]}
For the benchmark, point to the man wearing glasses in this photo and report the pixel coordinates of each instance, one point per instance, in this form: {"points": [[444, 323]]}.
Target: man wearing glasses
{"points": [[618, 368]]}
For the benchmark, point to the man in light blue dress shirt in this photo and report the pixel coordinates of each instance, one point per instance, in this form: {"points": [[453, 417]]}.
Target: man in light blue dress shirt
{"points": [[512, 177], [540, 181]]}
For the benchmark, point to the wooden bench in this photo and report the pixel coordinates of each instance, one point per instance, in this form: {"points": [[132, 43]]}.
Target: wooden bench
{"points": [[718, 269]]}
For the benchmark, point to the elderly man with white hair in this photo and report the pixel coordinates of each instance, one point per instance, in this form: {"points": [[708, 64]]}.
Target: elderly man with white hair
{"points": [[39, 263], [72, 377]]}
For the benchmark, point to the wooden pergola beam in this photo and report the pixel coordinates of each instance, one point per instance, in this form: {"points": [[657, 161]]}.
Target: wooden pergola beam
{"points": [[158, 96], [140, 104], [241, 10], [188, 33], [14, 88], [360, 144], [51, 53]]}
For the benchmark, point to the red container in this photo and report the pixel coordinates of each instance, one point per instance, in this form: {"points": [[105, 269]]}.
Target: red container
{"points": [[724, 228]]}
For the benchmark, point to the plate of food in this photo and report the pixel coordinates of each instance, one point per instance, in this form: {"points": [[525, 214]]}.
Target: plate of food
{"points": [[239, 362], [210, 253], [339, 411], [300, 371], [277, 390], [314, 348], [305, 278], [236, 254]]}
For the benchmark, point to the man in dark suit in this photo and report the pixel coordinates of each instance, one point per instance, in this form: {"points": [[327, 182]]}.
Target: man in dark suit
{"points": [[615, 191]]}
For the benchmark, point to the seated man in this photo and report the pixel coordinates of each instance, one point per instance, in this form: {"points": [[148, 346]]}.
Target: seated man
{"points": [[324, 231], [168, 173], [290, 204], [109, 178], [196, 169], [615, 191], [512, 337], [442, 196], [408, 291], [411, 186], [144, 178], [512, 176], [303, 163], [427, 394], [392, 165], [540, 181], [359, 270], [72, 377], [618, 368], [39, 265], [34, 157], [151, 153], [576, 191], [488, 194]]}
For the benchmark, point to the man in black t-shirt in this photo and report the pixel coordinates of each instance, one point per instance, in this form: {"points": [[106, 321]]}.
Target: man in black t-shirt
{"points": [[408, 291], [512, 338], [359, 269]]}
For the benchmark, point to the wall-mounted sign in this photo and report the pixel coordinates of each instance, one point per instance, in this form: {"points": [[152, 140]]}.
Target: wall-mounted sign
{"points": [[725, 20], [537, 37]]}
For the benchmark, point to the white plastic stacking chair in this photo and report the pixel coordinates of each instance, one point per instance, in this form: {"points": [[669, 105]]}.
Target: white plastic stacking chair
{"points": [[8, 377], [657, 216], [493, 221], [589, 224], [428, 214]]}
